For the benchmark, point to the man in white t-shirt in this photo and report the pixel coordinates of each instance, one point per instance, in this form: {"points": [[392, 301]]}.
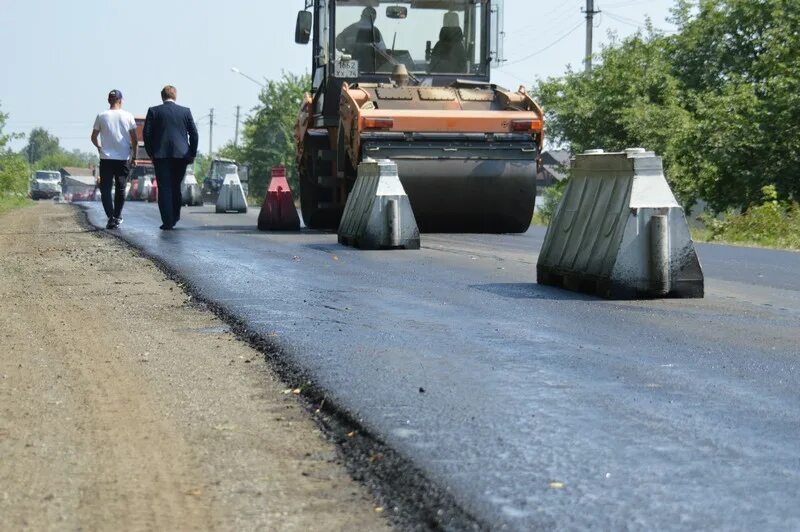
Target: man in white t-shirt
{"points": [[116, 130]]}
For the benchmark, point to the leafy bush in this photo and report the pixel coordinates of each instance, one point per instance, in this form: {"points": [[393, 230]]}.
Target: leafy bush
{"points": [[14, 173], [772, 223], [552, 196]]}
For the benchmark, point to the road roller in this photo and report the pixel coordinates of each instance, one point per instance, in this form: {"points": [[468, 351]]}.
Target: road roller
{"points": [[410, 81]]}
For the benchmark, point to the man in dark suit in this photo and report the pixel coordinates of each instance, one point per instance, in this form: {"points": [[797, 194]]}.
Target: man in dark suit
{"points": [[170, 138]]}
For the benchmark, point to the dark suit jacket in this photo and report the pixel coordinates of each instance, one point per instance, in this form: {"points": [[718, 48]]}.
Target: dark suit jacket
{"points": [[170, 132]]}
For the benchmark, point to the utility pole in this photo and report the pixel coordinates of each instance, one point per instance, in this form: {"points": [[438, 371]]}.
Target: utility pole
{"points": [[236, 132], [590, 13], [210, 130]]}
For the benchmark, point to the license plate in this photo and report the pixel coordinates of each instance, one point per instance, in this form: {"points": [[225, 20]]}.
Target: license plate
{"points": [[345, 69]]}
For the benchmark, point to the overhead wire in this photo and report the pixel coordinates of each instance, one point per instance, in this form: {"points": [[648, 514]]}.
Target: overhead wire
{"points": [[624, 20], [634, 23], [625, 4], [541, 50], [555, 25], [562, 9]]}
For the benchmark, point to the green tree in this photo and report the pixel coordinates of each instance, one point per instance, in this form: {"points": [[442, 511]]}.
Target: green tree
{"points": [[14, 174], [4, 138], [268, 135], [719, 100], [229, 151], [41, 144], [624, 103], [631, 99], [63, 158], [13, 168], [202, 164], [740, 70]]}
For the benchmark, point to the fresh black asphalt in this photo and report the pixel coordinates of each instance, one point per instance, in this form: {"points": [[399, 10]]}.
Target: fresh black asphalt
{"points": [[533, 406]]}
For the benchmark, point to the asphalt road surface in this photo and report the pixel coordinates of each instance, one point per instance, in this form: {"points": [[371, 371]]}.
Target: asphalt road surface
{"points": [[534, 406]]}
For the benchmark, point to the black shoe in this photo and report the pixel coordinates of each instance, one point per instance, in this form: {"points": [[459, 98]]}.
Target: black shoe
{"points": [[112, 223], [165, 227]]}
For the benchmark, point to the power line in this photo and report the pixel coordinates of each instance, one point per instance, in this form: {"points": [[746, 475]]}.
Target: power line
{"points": [[555, 26], [564, 12], [624, 20], [537, 52], [507, 73], [634, 23], [626, 4]]}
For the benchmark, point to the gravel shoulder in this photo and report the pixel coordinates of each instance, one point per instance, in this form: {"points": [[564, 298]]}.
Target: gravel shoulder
{"points": [[124, 406]]}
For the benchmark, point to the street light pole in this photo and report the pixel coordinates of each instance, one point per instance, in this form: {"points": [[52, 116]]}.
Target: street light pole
{"points": [[236, 133], [210, 131], [254, 80]]}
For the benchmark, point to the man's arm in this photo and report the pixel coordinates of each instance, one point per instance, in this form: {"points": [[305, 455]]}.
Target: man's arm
{"points": [[194, 138], [134, 144], [147, 133], [95, 134]]}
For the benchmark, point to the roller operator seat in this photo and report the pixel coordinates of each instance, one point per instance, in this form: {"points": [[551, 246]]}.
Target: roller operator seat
{"points": [[449, 54]]}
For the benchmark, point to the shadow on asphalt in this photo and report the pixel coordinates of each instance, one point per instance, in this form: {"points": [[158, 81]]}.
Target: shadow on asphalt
{"points": [[531, 291], [229, 228], [245, 229]]}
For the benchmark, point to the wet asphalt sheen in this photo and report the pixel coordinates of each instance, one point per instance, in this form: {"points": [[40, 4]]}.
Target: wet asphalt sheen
{"points": [[541, 408]]}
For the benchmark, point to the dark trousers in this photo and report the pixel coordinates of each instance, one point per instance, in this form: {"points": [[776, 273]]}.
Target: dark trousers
{"points": [[169, 174], [113, 172]]}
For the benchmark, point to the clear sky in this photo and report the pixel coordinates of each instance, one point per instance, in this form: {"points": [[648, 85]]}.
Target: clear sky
{"points": [[60, 58]]}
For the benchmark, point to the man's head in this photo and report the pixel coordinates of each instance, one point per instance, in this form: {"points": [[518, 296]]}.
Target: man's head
{"points": [[369, 14], [169, 93], [115, 98]]}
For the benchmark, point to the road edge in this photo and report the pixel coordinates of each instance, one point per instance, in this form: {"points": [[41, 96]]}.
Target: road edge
{"points": [[410, 500]]}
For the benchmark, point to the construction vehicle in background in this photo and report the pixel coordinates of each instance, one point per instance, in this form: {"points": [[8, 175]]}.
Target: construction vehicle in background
{"points": [[45, 184], [409, 80], [216, 176], [142, 159], [143, 172]]}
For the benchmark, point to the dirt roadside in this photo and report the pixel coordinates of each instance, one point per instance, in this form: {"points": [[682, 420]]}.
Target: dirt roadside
{"points": [[122, 406]]}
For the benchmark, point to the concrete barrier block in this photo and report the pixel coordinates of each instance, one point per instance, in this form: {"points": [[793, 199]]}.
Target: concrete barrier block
{"points": [[231, 195], [153, 195], [145, 184], [278, 212], [378, 214], [190, 191], [618, 232]]}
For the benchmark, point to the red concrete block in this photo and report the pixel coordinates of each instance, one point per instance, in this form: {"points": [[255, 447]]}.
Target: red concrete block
{"points": [[133, 193], [153, 191], [278, 211]]}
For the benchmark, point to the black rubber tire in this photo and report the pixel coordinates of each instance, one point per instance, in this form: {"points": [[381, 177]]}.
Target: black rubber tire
{"points": [[313, 216]]}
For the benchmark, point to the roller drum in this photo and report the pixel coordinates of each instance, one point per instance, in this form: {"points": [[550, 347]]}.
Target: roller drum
{"points": [[471, 189]]}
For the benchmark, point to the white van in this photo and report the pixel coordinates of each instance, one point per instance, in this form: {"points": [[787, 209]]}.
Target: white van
{"points": [[45, 184]]}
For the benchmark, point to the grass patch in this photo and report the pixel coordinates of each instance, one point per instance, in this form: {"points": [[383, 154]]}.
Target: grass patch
{"points": [[772, 224], [9, 203]]}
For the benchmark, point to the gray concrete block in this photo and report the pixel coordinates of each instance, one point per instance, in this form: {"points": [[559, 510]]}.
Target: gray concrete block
{"points": [[191, 194], [378, 214], [618, 232], [231, 195]]}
